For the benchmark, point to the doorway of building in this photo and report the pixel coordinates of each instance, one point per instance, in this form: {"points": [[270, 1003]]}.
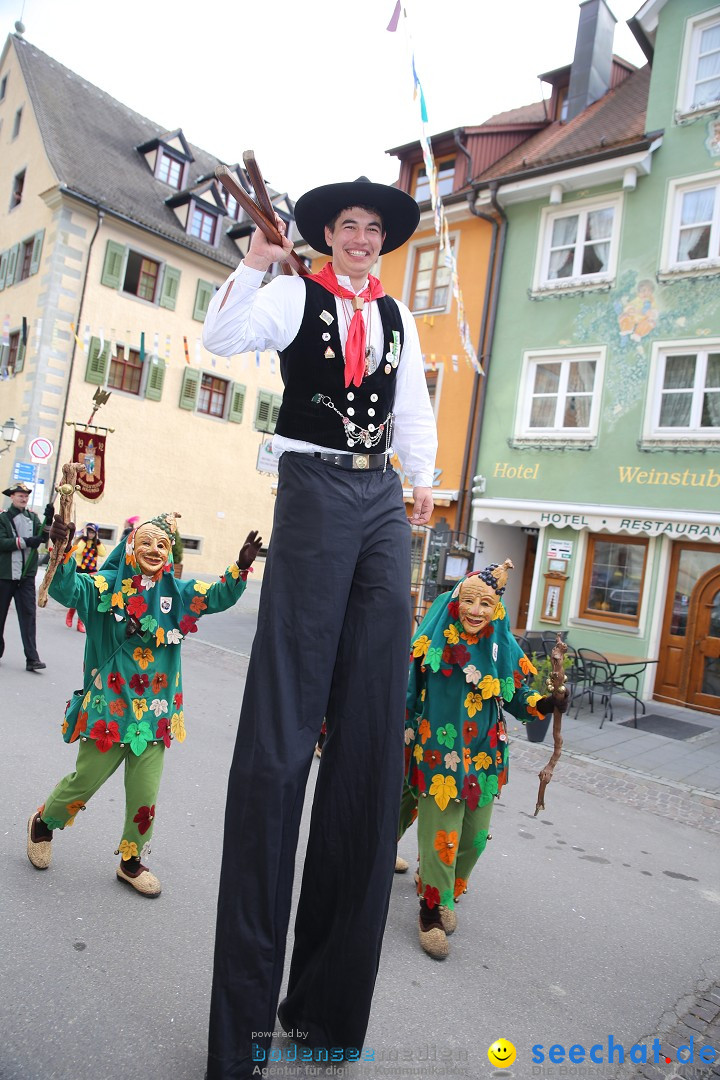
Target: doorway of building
{"points": [[689, 657]]}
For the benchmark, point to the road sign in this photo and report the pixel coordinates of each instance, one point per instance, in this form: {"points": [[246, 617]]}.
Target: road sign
{"points": [[40, 450], [24, 472]]}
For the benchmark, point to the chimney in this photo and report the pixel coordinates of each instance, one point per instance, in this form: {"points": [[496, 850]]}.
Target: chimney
{"points": [[592, 65]]}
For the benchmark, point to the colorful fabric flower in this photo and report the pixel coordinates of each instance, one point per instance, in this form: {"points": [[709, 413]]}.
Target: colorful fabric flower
{"points": [[100, 583], [143, 657], [105, 734], [472, 675], [445, 843], [162, 731], [482, 760], [177, 701], [432, 758], [144, 818], [473, 703], [452, 761], [447, 735], [177, 726], [443, 789], [136, 606], [115, 682], [128, 587], [139, 683], [456, 654], [148, 624], [138, 736], [526, 666], [452, 634], [140, 707], [118, 600], [197, 605], [417, 780], [431, 896], [159, 706], [118, 706], [489, 687], [424, 731], [201, 587], [173, 637], [433, 658], [80, 726], [471, 791], [159, 636], [128, 850], [418, 752], [188, 625], [159, 682], [409, 735], [470, 731], [98, 703]]}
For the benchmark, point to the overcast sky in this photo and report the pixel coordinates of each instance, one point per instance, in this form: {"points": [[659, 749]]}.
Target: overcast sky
{"points": [[317, 88]]}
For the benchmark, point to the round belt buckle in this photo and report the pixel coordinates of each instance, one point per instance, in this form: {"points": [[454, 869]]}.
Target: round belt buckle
{"points": [[360, 461]]}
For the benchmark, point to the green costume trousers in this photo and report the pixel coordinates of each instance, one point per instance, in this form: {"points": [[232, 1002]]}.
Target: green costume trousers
{"points": [[450, 842], [142, 781]]}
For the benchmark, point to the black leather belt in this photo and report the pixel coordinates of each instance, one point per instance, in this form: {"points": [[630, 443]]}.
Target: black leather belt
{"points": [[354, 461]]}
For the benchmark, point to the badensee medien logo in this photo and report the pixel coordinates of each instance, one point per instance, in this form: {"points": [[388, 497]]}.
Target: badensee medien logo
{"points": [[614, 1053]]}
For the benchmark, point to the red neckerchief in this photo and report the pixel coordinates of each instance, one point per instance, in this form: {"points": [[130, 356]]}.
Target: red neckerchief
{"points": [[355, 345]]}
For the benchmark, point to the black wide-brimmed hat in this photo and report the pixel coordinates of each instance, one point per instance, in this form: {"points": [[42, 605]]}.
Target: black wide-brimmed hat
{"points": [[14, 488], [315, 209]]}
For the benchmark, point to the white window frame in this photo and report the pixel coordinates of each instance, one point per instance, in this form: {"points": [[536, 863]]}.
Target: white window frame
{"points": [[175, 159], [554, 435], [581, 207], [688, 67], [423, 242], [653, 434], [677, 189]]}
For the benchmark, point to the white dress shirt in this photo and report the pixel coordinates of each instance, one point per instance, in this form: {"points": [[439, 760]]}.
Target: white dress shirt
{"points": [[270, 317]]}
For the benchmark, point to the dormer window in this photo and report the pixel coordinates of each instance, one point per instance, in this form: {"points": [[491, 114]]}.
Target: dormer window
{"points": [[445, 179], [203, 224], [169, 168]]}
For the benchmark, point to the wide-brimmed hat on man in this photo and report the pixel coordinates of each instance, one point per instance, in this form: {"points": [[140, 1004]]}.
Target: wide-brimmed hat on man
{"points": [[316, 208], [15, 488]]}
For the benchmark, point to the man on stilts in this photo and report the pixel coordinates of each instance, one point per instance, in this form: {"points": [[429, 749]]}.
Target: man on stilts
{"points": [[333, 630]]}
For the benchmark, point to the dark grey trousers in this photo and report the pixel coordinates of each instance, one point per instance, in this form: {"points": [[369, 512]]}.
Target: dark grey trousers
{"points": [[332, 641]]}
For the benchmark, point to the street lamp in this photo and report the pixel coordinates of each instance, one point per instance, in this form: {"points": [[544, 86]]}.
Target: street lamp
{"points": [[10, 432]]}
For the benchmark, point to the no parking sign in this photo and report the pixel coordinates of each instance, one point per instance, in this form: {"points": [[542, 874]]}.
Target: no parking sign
{"points": [[40, 450]]}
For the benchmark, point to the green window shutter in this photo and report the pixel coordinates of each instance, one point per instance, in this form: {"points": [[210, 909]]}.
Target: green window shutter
{"points": [[4, 353], [113, 265], [203, 295], [3, 268], [97, 362], [170, 286], [274, 411], [263, 410], [36, 251], [189, 388], [155, 380], [20, 356], [11, 264], [237, 402]]}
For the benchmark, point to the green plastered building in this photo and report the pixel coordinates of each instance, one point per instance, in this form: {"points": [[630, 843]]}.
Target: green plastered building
{"points": [[598, 458]]}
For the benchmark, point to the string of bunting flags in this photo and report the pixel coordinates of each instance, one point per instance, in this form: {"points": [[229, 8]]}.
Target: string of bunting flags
{"points": [[440, 220]]}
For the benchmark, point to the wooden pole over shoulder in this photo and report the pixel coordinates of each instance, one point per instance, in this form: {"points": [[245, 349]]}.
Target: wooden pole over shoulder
{"points": [[66, 490]]}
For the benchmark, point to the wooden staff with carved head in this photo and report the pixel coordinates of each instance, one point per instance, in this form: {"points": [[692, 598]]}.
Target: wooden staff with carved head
{"points": [[66, 491], [555, 686]]}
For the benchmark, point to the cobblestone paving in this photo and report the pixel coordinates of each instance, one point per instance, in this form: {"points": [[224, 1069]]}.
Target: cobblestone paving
{"points": [[613, 782]]}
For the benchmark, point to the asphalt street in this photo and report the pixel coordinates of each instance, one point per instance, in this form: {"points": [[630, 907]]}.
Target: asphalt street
{"points": [[596, 920]]}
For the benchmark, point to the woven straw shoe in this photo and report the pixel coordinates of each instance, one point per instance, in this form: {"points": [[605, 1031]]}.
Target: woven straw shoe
{"points": [[38, 852], [143, 882], [448, 919], [401, 865], [433, 941]]}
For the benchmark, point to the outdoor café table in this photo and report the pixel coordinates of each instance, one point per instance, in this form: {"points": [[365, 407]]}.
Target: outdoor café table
{"points": [[636, 665]]}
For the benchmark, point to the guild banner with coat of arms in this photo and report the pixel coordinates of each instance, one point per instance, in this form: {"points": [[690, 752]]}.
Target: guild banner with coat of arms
{"points": [[89, 454]]}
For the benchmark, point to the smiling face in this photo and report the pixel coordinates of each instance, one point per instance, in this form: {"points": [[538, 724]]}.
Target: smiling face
{"points": [[355, 237], [152, 549], [476, 602], [501, 1054]]}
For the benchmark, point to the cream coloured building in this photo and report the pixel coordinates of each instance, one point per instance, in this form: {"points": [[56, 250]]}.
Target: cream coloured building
{"points": [[114, 235]]}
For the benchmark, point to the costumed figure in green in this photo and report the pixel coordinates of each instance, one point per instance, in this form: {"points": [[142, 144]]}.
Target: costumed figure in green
{"points": [[130, 709], [466, 669]]}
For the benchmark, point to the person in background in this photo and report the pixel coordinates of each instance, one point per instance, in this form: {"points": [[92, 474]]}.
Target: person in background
{"points": [[129, 525], [88, 554], [21, 534]]}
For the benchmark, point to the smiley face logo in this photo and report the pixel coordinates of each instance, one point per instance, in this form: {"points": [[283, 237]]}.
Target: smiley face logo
{"points": [[501, 1054]]}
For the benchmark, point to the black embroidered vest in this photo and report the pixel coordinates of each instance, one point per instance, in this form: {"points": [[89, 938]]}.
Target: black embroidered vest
{"points": [[313, 371]]}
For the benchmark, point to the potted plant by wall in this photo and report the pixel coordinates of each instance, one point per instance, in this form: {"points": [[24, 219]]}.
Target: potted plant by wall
{"points": [[536, 730], [177, 554]]}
